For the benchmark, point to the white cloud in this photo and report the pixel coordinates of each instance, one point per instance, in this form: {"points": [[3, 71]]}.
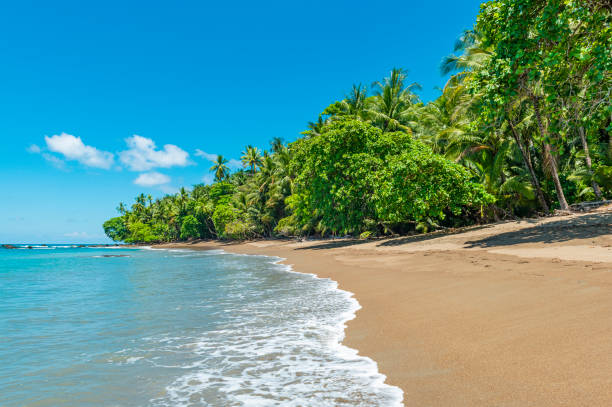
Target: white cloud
{"points": [[205, 155], [34, 149], [53, 160], [73, 148], [234, 164], [151, 179], [143, 155]]}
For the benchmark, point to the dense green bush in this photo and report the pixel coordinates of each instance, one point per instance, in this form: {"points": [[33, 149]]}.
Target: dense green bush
{"points": [[190, 228], [355, 177]]}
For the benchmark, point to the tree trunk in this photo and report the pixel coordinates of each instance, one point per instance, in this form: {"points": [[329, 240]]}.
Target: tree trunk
{"points": [[548, 153], [587, 158], [527, 161]]}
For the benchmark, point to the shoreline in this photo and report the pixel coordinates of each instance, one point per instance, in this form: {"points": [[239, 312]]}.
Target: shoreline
{"points": [[514, 313]]}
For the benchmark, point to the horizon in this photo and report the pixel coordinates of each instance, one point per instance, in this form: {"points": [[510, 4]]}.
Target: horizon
{"points": [[102, 103]]}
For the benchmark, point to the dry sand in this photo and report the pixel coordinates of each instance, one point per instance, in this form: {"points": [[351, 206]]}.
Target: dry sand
{"points": [[510, 314]]}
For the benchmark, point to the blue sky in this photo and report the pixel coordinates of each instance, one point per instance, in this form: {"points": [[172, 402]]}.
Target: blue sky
{"points": [[102, 101]]}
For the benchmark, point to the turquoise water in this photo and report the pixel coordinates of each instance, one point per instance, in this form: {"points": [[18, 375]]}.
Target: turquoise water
{"points": [[174, 328]]}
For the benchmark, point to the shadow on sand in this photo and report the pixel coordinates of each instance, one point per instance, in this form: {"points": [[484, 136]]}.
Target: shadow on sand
{"points": [[583, 227], [429, 236], [334, 244]]}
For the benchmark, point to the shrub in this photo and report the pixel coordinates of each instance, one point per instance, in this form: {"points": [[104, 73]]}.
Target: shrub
{"points": [[190, 227]]}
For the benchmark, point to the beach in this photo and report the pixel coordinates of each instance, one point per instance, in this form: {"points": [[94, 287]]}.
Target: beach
{"points": [[510, 314]]}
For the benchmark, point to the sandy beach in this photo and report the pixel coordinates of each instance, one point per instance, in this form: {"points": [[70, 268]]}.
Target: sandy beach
{"points": [[509, 314]]}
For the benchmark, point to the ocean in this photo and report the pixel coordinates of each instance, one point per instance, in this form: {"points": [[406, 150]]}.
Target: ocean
{"points": [[144, 327]]}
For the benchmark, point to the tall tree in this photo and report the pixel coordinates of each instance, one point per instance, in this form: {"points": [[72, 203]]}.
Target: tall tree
{"points": [[251, 157], [220, 168], [393, 99]]}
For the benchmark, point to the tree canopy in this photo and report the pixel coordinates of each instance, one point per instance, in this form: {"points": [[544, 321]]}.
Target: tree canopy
{"points": [[521, 127]]}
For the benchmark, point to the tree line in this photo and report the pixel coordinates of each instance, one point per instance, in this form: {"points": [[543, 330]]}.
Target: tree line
{"points": [[521, 127]]}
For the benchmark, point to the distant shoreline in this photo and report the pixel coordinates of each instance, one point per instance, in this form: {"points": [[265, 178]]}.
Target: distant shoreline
{"points": [[514, 312]]}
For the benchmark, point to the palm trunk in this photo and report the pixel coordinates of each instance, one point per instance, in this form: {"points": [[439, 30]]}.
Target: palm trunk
{"points": [[527, 161], [587, 158], [548, 153]]}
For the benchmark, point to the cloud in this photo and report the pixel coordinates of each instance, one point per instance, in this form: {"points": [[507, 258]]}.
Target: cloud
{"points": [[205, 155], [54, 161], [73, 148], [34, 149], [151, 179], [143, 155], [232, 163]]}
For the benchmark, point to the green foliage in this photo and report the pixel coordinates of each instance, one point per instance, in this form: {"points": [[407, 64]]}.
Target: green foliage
{"points": [[366, 235], [238, 230], [116, 229], [221, 192], [522, 126], [223, 215], [418, 184], [603, 176], [352, 174], [190, 228], [220, 168], [333, 171], [288, 226], [142, 233]]}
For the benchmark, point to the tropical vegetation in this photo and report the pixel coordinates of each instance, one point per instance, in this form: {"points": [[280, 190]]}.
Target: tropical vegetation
{"points": [[522, 127]]}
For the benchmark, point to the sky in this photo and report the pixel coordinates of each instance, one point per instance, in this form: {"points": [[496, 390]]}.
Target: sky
{"points": [[100, 101]]}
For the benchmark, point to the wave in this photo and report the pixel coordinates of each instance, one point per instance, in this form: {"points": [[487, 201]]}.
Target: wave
{"points": [[286, 350]]}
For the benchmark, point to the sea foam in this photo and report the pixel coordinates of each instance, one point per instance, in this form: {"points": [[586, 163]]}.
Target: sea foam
{"points": [[287, 350]]}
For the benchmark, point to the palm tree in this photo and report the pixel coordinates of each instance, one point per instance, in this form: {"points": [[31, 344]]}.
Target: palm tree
{"points": [[473, 57], [514, 127], [181, 200], [353, 104], [393, 101], [251, 157], [356, 101], [122, 209], [277, 144], [220, 168], [315, 128]]}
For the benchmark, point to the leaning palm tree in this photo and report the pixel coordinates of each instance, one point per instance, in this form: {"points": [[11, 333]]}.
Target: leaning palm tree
{"points": [[473, 56], [220, 168], [393, 102], [251, 157]]}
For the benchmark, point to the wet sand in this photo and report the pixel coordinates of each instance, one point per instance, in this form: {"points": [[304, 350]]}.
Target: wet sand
{"points": [[510, 314]]}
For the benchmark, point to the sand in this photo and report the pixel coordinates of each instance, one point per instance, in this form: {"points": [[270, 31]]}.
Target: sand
{"points": [[510, 314]]}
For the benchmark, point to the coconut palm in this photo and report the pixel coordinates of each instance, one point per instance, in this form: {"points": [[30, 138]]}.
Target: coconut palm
{"points": [[251, 157], [392, 106], [277, 144], [315, 128], [354, 104], [220, 168]]}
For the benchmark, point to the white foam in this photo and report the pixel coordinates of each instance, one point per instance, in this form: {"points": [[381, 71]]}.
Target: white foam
{"points": [[267, 359]]}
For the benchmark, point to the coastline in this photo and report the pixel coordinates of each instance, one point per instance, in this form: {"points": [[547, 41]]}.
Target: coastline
{"points": [[514, 313]]}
